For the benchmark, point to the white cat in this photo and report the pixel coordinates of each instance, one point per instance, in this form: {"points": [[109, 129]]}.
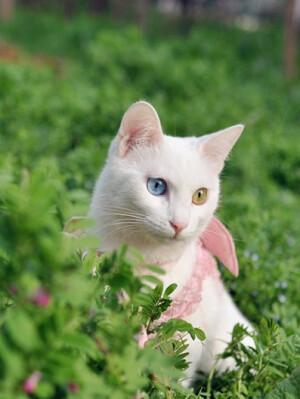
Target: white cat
{"points": [[158, 194]]}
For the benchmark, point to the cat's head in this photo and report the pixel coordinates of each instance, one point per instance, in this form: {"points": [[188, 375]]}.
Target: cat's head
{"points": [[155, 189]]}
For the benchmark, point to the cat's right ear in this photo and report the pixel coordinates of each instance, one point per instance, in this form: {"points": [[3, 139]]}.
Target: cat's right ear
{"points": [[217, 146], [140, 126]]}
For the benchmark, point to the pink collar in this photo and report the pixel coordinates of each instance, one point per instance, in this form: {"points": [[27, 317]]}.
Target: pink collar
{"points": [[188, 298], [216, 240]]}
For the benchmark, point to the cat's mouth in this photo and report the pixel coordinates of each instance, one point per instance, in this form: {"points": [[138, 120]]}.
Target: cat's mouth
{"points": [[177, 237]]}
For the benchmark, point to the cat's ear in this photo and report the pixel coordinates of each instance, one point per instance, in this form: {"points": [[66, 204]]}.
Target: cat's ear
{"points": [[217, 146], [140, 126]]}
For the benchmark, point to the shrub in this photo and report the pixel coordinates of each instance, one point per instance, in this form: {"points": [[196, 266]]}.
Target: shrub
{"points": [[62, 334]]}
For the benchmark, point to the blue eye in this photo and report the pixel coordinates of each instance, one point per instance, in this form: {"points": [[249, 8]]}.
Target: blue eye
{"points": [[156, 186]]}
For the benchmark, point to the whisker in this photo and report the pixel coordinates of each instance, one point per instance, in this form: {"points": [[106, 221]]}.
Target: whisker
{"points": [[121, 210], [128, 229], [130, 216]]}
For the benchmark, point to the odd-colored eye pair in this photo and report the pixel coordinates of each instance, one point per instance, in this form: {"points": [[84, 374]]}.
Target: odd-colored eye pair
{"points": [[158, 186]]}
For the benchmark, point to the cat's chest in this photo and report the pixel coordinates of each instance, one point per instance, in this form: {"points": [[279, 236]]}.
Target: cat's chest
{"points": [[195, 263], [190, 274], [180, 271]]}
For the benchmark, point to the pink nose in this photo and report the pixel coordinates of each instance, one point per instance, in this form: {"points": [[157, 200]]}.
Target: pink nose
{"points": [[178, 227]]}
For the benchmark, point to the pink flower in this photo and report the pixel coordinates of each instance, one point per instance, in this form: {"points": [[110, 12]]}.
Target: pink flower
{"points": [[42, 298], [72, 387], [30, 384]]}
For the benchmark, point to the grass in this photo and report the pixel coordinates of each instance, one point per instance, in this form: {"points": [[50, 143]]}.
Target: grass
{"points": [[59, 111]]}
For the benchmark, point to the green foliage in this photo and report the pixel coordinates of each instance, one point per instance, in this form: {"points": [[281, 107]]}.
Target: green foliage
{"points": [[288, 388], [59, 320], [62, 326], [273, 358]]}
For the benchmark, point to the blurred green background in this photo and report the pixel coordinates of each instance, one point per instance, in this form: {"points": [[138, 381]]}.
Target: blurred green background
{"points": [[69, 70]]}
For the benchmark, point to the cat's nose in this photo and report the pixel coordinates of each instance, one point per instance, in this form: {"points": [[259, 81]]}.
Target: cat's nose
{"points": [[178, 227]]}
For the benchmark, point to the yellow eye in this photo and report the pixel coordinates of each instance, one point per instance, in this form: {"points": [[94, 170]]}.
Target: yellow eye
{"points": [[200, 196]]}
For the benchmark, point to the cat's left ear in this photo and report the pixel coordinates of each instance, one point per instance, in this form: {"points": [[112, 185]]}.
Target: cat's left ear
{"points": [[140, 126], [217, 146]]}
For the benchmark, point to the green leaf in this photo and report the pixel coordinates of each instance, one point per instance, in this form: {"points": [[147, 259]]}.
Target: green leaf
{"points": [[156, 269], [138, 257], [13, 361], [44, 390], [200, 334], [171, 288], [152, 279], [288, 388], [22, 330]]}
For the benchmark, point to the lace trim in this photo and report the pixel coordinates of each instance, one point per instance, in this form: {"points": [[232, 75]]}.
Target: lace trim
{"points": [[185, 303]]}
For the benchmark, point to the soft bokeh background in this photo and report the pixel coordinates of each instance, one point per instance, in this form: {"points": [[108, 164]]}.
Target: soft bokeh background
{"points": [[70, 69]]}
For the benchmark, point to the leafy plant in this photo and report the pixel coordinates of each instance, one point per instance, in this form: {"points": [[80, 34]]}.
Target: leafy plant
{"points": [[63, 333], [272, 358]]}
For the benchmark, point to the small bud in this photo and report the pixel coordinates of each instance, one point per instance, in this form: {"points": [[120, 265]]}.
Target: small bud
{"points": [[30, 384], [282, 298], [41, 298], [72, 387]]}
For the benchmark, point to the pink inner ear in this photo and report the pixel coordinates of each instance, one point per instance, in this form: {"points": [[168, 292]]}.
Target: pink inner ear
{"points": [[218, 241], [138, 138], [140, 126], [129, 141]]}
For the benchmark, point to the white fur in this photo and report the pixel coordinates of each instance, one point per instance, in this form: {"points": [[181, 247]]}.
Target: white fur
{"points": [[126, 212]]}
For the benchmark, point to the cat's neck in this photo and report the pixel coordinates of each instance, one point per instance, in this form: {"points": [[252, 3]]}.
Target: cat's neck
{"points": [[176, 259], [164, 255], [180, 269]]}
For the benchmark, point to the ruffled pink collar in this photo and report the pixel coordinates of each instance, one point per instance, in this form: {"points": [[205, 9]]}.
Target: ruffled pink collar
{"points": [[215, 241]]}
